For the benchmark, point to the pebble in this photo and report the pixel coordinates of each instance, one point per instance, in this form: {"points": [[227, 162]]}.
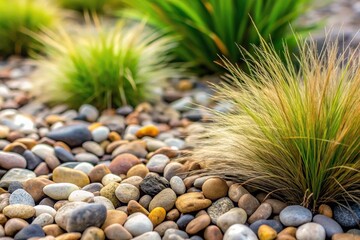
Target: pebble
{"points": [[138, 170], [149, 130], [98, 172], [153, 144], [330, 225], [157, 163], [64, 212], [239, 231], [80, 196], [116, 231], [177, 185], [325, 210], [69, 236], [13, 186], [157, 215], [212, 232], [162, 227], [100, 134], [108, 191], [20, 196], [275, 224], [32, 161], [109, 178], [276, 205], [295, 215], [198, 224], [14, 225], [87, 157], [138, 224], [122, 163], [93, 233], [35, 187], [133, 207], [85, 167], [172, 169], [219, 207], [60, 191], [63, 155], [184, 220], [16, 174], [93, 147], [68, 175], [148, 235], [19, 211], [43, 151], [175, 142], [345, 236], [347, 218], [126, 192], [166, 199], [249, 203], [266, 233], [40, 209], [153, 184], [191, 202], [72, 135], [264, 211], [310, 231], [90, 112], [215, 188], [53, 230], [43, 219], [233, 216], [104, 201], [93, 187], [30, 231], [79, 218], [10, 160], [236, 191], [114, 217], [173, 233]]}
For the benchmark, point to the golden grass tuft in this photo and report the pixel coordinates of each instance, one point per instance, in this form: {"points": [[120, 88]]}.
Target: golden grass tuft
{"points": [[294, 129]]}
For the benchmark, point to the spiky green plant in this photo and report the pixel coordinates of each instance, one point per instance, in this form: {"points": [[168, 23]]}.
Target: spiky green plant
{"points": [[292, 133], [18, 16], [211, 27], [104, 67]]}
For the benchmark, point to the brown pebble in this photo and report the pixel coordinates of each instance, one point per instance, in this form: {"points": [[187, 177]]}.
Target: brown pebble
{"points": [[53, 230], [266, 232], [116, 231], [290, 231], [35, 187], [138, 170], [198, 224], [285, 237], [133, 207], [191, 202], [213, 233], [42, 169], [189, 181], [108, 191], [162, 227], [51, 119], [98, 172], [249, 203], [145, 201], [262, 212], [122, 163], [93, 233], [326, 210], [173, 215], [14, 225], [69, 236], [277, 205], [94, 125], [345, 236], [114, 136], [112, 146], [215, 188], [52, 162], [60, 204], [236, 191], [3, 219], [114, 216], [28, 142], [171, 153], [15, 147]]}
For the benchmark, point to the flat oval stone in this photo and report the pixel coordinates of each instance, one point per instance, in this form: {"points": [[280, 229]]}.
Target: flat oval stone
{"points": [[122, 163], [157, 215], [239, 231], [80, 218], [32, 161], [177, 185], [310, 231], [108, 178], [87, 157], [43, 219], [40, 209], [295, 215], [10, 160], [330, 225], [233, 216], [153, 184], [166, 199], [148, 235], [20, 196], [100, 134], [138, 224], [126, 192], [219, 207], [68, 175], [93, 147], [63, 155], [31, 231], [80, 196], [60, 191], [19, 211], [114, 217], [264, 211], [73, 135], [347, 218], [157, 163], [93, 233], [198, 224], [98, 172], [14, 225], [84, 167], [275, 224], [16, 174], [249, 203], [191, 202], [116, 231], [215, 188], [43, 151]]}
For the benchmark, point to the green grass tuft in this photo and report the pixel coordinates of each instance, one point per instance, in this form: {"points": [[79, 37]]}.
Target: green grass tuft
{"points": [[18, 16], [292, 133], [98, 6], [211, 27], [104, 67]]}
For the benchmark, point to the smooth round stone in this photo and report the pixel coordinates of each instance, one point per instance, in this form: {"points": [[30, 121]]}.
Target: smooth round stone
{"points": [[266, 232], [134, 180], [172, 169], [133, 207], [16, 174], [68, 175], [295, 215], [40, 209], [43, 151], [14, 225], [93, 233], [148, 235], [116, 231], [13, 186], [184, 220], [20, 196], [271, 223], [114, 217], [94, 148], [198, 224], [153, 184], [79, 219], [182, 104], [212, 232], [84, 167], [153, 144], [19, 211], [175, 142], [138, 170], [80, 196], [249, 203], [310, 231], [35, 187], [10, 160], [126, 192], [236, 191], [32, 161], [109, 178], [108, 191], [100, 134], [176, 234], [233, 216], [331, 226], [166, 199], [87, 157], [136, 148], [90, 112], [347, 218], [93, 187], [239, 231], [60, 191], [192, 202], [104, 201], [149, 130], [276, 205], [177, 185], [63, 155], [138, 224], [264, 211], [98, 172], [122, 163], [215, 188], [124, 110], [326, 210], [162, 227], [219, 207], [43, 219], [72, 135], [33, 230]]}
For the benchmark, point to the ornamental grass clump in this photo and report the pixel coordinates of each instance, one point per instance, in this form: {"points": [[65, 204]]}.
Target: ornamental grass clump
{"points": [[104, 67], [211, 27], [19, 16], [294, 129], [98, 6]]}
